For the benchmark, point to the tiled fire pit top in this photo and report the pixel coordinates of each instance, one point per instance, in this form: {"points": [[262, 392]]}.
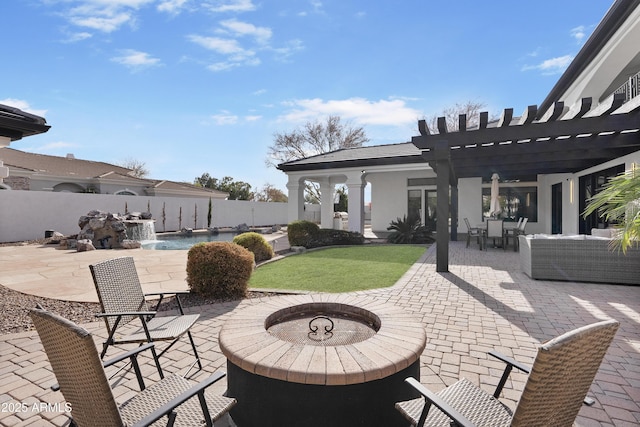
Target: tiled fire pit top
{"points": [[397, 343]]}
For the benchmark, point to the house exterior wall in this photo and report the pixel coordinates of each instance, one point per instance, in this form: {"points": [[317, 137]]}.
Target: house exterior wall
{"points": [[469, 202], [389, 195], [25, 215]]}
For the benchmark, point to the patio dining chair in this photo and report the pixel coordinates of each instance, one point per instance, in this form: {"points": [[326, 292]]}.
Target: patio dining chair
{"points": [[515, 232], [558, 382], [123, 302], [83, 382], [473, 232], [512, 232], [495, 230]]}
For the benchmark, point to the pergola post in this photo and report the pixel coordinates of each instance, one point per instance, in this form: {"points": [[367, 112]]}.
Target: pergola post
{"points": [[442, 156]]}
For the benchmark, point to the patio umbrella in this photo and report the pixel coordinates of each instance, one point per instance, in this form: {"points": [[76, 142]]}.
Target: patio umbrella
{"points": [[495, 209]]}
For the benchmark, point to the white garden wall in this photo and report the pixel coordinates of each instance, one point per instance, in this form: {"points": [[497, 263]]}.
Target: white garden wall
{"points": [[26, 215]]}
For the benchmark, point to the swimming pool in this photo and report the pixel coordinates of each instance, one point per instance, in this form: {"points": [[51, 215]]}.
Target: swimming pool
{"points": [[185, 241]]}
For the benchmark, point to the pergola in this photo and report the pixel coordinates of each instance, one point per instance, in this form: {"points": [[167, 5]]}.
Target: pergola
{"points": [[561, 141]]}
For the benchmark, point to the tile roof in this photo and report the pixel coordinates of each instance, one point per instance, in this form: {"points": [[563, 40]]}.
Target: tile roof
{"points": [[73, 168], [375, 154], [58, 166]]}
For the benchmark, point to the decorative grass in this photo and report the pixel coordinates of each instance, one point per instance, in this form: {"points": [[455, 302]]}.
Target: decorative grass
{"points": [[336, 270]]}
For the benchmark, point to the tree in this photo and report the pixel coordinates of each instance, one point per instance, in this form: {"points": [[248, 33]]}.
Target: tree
{"points": [[269, 193], [451, 114], [238, 190], [343, 200], [619, 202], [138, 168], [314, 138]]}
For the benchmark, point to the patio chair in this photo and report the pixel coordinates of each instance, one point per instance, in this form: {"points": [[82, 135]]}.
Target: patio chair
{"points": [[519, 231], [83, 382], [558, 382], [122, 300], [512, 232], [494, 231], [473, 232]]}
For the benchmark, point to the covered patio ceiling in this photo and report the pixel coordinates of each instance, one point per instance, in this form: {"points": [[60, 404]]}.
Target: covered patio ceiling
{"points": [[519, 149]]}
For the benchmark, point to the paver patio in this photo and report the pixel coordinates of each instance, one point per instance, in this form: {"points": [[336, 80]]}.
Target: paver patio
{"points": [[483, 303]]}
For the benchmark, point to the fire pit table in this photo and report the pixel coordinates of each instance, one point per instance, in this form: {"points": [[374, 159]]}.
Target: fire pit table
{"points": [[321, 361]]}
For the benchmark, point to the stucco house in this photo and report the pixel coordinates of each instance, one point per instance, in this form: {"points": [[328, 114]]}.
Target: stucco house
{"points": [[549, 160], [40, 172]]}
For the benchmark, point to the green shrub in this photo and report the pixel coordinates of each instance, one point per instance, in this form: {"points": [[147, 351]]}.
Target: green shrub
{"points": [[330, 237], [219, 270], [300, 233], [256, 243], [410, 230]]}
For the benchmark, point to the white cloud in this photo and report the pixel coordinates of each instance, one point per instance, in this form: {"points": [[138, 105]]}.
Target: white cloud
{"points": [[225, 119], [361, 111], [22, 105], [77, 37], [102, 15], [223, 46], [136, 60], [551, 66], [238, 28], [288, 50], [579, 33], [252, 118], [230, 6], [171, 6]]}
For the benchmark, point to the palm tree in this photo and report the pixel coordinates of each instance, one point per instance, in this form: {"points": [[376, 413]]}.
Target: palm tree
{"points": [[619, 203]]}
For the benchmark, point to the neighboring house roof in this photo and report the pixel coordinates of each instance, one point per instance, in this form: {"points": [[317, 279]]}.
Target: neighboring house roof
{"points": [[59, 166], [71, 169], [16, 124], [375, 155]]}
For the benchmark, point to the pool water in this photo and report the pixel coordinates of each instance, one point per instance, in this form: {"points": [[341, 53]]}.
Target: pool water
{"points": [[181, 241]]}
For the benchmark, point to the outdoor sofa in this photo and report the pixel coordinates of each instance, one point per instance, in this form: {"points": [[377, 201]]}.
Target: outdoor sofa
{"points": [[579, 258]]}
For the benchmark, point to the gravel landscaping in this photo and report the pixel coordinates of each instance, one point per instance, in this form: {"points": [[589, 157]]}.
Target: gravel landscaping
{"points": [[15, 307]]}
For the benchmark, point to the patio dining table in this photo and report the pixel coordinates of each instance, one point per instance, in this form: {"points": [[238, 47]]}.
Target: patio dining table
{"points": [[508, 225]]}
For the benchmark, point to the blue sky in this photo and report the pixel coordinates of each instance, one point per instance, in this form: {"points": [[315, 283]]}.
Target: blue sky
{"points": [[195, 86]]}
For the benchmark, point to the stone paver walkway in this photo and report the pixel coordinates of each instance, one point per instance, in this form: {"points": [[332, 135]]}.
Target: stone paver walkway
{"points": [[483, 303]]}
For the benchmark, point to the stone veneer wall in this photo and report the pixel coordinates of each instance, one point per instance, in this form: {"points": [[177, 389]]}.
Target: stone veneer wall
{"points": [[17, 182]]}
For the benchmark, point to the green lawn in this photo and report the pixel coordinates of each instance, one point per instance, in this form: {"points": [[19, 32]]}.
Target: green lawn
{"points": [[335, 270]]}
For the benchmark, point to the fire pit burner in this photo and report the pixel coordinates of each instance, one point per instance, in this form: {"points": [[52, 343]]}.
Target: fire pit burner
{"points": [[324, 326]]}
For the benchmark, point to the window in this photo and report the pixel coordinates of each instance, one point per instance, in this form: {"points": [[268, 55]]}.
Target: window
{"points": [[515, 202], [589, 186], [125, 192], [414, 209]]}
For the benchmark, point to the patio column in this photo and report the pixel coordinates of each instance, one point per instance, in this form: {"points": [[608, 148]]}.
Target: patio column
{"points": [[355, 186], [295, 187], [327, 193], [4, 171]]}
